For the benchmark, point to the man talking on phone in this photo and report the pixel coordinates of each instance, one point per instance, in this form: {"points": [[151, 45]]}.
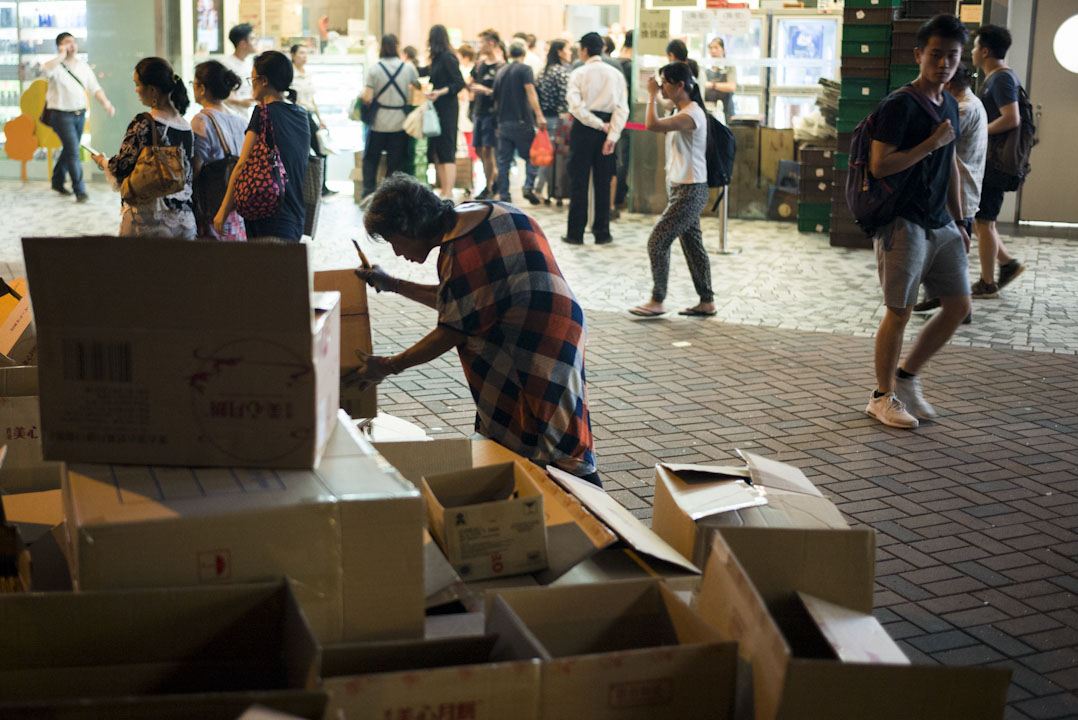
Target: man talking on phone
{"points": [[71, 81]]}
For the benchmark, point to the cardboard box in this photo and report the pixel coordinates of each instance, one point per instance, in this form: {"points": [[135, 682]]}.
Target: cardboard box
{"points": [[355, 335], [23, 468], [452, 678], [175, 653], [182, 353], [775, 145], [489, 520], [692, 502], [750, 594], [17, 338], [349, 534], [622, 650]]}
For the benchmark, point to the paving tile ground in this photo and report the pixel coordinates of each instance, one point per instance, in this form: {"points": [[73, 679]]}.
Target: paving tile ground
{"points": [[976, 514]]}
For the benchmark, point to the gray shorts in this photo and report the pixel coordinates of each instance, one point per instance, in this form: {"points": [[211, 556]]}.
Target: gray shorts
{"points": [[908, 255]]}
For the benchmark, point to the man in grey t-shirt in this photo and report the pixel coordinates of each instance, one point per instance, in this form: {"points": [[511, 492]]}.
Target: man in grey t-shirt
{"points": [[388, 84]]}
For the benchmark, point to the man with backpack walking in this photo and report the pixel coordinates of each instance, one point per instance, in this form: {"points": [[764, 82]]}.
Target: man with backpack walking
{"points": [[912, 158], [1001, 97]]}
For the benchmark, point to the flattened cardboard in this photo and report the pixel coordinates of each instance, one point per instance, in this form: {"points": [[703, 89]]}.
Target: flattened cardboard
{"points": [[24, 469], [355, 335], [625, 650], [349, 534], [17, 338], [630, 530], [446, 677], [182, 353], [853, 636], [489, 520], [748, 594], [202, 650]]}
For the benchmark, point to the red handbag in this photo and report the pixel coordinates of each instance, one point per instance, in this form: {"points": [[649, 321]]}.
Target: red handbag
{"points": [[260, 186], [542, 152]]}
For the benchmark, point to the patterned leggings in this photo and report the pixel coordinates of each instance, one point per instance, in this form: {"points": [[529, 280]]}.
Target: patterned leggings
{"points": [[681, 219]]}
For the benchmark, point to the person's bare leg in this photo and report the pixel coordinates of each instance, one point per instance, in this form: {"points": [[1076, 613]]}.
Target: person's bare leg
{"points": [[938, 330], [490, 168], [889, 346], [988, 247], [449, 179]]}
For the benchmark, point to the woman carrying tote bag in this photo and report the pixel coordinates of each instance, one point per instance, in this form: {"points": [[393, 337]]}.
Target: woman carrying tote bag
{"points": [[271, 176], [218, 139]]}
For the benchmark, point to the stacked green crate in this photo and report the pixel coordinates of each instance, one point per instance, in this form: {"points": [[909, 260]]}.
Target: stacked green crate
{"points": [[814, 192], [904, 69]]}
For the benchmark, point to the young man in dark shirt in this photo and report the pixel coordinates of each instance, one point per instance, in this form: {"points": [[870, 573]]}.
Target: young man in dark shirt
{"points": [[516, 107], [923, 243], [1000, 98], [484, 125]]}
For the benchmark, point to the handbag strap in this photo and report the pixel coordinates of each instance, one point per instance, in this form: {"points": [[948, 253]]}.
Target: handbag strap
{"points": [[267, 127], [73, 75], [153, 127], [220, 135]]}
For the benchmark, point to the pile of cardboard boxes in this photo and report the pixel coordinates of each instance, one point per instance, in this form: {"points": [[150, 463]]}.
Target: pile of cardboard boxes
{"points": [[214, 532]]}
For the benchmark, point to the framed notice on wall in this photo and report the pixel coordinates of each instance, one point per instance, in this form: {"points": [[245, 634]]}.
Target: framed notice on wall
{"points": [[209, 32]]}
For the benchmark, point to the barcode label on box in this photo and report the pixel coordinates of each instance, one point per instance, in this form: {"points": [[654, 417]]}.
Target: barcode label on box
{"points": [[97, 361]]}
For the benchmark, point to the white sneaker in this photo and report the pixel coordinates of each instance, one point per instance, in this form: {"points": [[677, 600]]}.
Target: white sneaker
{"points": [[909, 392], [889, 410]]}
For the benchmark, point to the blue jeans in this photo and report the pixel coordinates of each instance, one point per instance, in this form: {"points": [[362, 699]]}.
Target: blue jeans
{"points": [[512, 137], [69, 127]]}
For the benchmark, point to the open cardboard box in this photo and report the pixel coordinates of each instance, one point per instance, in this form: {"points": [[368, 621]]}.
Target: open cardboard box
{"points": [[23, 469], [693, 501], [798, 603], [355, 335], [448, 677], [623, 650], [158, 653], [17, 337], [349, 534], [488, 520], [170, 352]]}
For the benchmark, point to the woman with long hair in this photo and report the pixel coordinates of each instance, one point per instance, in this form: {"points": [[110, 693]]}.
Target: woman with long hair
{"points": [[163, 91], [390, 80], [271, 81], [552, 85], [212, 126], [686, 178], [446, 81]]}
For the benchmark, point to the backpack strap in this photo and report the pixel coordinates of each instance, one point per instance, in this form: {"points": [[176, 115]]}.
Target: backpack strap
{"points": [[923, 101]]}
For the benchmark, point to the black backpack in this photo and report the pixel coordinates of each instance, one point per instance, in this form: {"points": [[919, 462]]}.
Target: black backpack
{"points": [[721, 148], [1007, 162]]}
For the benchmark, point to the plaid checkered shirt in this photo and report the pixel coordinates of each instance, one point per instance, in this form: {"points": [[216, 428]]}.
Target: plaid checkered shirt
{"points": [[524, 353]]}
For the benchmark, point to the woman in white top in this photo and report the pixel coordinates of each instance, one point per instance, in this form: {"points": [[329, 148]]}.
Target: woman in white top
{"points": [[686, 178], [213, 84]]}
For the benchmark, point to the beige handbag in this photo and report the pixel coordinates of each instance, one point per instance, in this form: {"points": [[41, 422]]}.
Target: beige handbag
{"points": [[413, 123], [160, 170]]}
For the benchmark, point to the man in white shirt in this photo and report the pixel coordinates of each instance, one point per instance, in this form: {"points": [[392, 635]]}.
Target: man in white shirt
{"points": [[67, 101], [598, 102], [530, 58], [241, 62]]}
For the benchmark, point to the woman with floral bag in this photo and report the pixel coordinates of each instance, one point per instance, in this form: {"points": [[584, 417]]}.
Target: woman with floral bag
{"points": [[266, 187]]}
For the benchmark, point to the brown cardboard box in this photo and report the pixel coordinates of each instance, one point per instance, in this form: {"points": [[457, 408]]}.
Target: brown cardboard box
{"points": [[23, 468], [489, 520], [799, 604], [452, 678], [775, 145], [355, 335], [17, 339], [175, 653], [693, 501], [626, 650], [182, 353], [349, 534]]}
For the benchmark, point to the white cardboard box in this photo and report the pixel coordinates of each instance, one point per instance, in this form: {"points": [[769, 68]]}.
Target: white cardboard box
{"points": [[169, 352], [349, 534], [23, 469]]}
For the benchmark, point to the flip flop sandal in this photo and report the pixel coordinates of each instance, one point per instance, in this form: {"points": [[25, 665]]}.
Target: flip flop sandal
{"points": [[645, 312], [693, 312]]}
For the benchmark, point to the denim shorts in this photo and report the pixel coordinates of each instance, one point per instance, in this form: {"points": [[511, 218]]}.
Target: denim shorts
{"points": [[908, 255], [484, 132]]}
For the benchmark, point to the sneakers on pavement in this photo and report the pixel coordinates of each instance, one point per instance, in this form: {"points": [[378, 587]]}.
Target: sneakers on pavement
{"points": [[484, 194], [908, 391], [984, 291], [889, 410], [531, 197], [1009, 272]]}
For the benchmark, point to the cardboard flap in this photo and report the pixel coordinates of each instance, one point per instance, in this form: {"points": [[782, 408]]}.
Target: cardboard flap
{"points": [[827, 690], [771, 473], [472, 487], [514, 640], [834, 565], [19, 381], [134, 282], [620, 520], [689, 626], [700, 499], [691, 473], [415, 459], [801, 510], [397, 655], [853, 636]]}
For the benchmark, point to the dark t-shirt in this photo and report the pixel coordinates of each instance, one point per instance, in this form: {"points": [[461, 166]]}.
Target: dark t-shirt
{"points": [[905, 124], [292, 134], [484, 74], [1000, 91], [510, 100]]}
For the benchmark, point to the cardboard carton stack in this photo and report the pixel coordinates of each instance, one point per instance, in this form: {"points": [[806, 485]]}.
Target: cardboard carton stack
{"points": [[866, 61], [814, 194]]}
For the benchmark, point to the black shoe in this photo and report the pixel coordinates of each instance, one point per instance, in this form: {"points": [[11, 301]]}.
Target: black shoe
{"points": [[81, 198], [1009, 272], [603, 241], [62, 190], [968, 320], [559, 202], [531, 197], [326, 192], [485, 194], [546, 201], [983, 290], [571, 241], [927, 305], [505, 199], [615, 214]]}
